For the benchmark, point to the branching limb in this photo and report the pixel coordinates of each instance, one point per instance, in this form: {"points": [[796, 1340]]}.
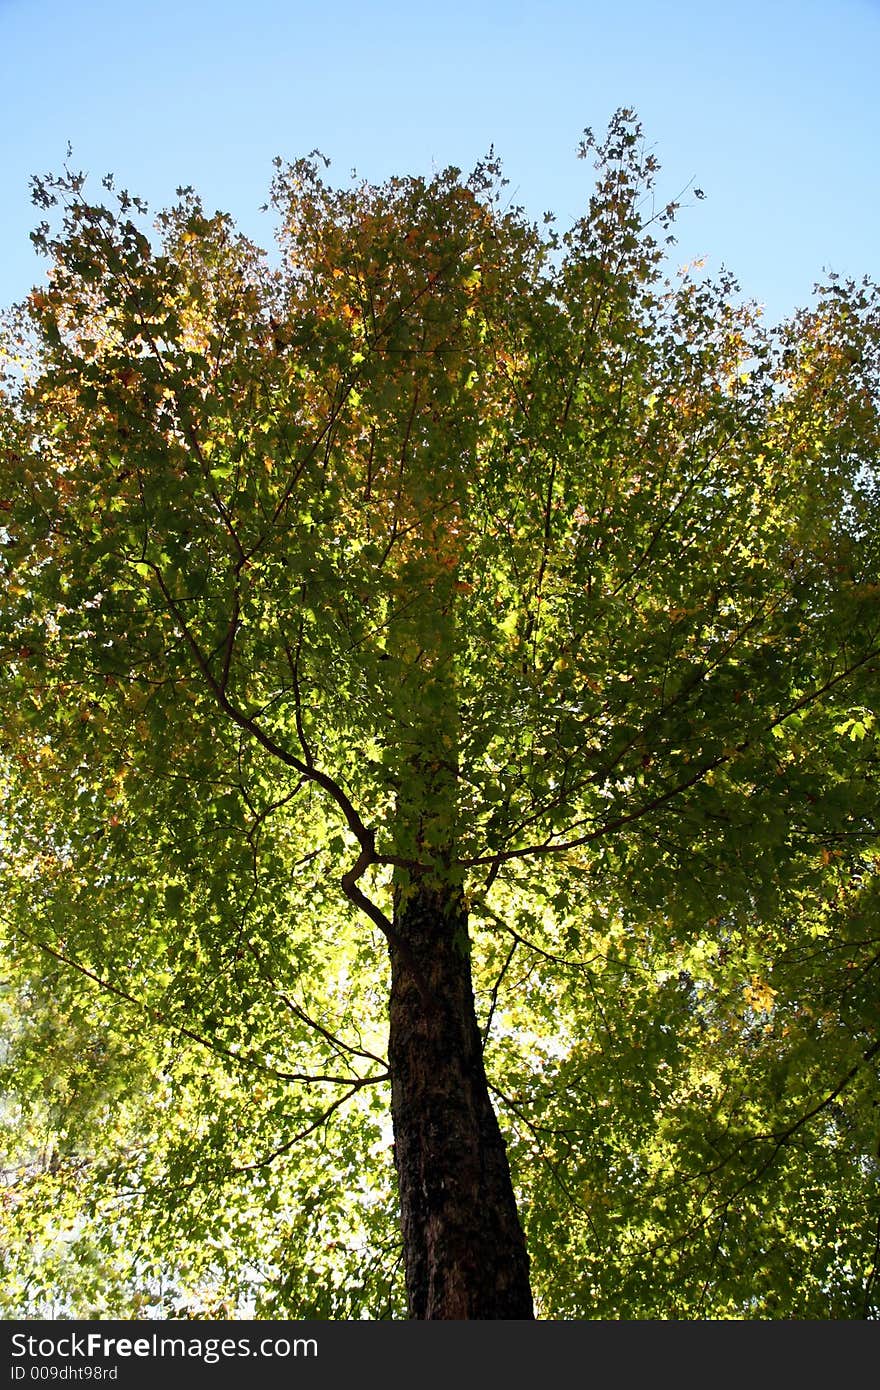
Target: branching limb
{"points": [[242, 1060], [322, 1119], [495, 988]]}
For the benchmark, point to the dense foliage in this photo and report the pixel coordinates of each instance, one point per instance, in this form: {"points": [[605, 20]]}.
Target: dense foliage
{"points": [[437, 541]]}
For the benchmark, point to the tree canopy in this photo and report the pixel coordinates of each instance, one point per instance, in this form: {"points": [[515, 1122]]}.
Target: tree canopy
{"points": [[443, 600]]}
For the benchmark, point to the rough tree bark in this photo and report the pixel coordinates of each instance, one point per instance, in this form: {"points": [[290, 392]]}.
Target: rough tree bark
{"points": [[464, 1250]]}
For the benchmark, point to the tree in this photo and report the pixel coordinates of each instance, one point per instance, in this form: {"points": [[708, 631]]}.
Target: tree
{"points": [[460, 629]]}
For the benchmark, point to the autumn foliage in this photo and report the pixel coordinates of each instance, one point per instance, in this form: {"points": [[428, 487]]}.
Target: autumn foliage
{"points": [[464, 624]]}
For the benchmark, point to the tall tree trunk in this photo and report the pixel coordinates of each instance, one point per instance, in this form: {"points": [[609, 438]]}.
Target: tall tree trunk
{"points": [[464, 1250]]}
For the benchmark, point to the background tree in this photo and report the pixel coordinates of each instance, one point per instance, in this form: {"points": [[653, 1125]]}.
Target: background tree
{"points": [[457, 635]]}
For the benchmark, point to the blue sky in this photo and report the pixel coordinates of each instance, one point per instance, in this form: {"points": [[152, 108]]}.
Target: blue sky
{"points": [[772, 108]]}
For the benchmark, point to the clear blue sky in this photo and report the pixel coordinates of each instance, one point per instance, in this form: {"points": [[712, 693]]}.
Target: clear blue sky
{"points": [[773, 108]]}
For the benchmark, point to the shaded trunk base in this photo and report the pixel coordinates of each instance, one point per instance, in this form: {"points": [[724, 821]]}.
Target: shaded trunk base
{"points": [[464, 1250]]}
